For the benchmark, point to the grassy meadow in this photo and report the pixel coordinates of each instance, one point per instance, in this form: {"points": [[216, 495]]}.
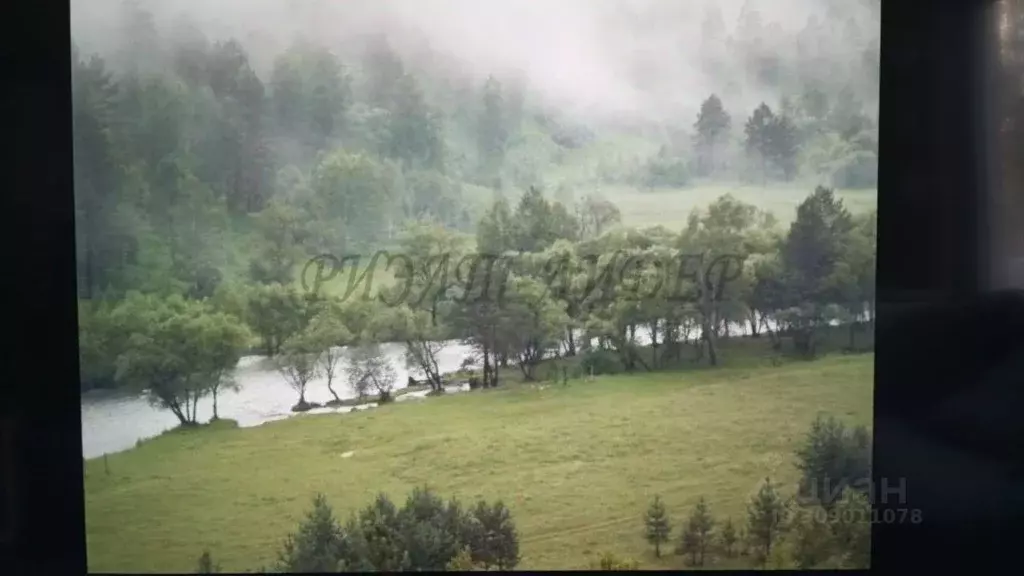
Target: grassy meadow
{"points": [[670, 207], [577, 465]]}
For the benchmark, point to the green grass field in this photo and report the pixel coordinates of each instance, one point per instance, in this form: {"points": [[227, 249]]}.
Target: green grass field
{"points": [[577, 465], [671, 207]]}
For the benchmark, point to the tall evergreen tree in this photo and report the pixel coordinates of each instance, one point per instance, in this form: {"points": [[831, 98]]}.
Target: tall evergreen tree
{"points": [[728, 537], [766, 516], [697, 535], [656, 525], [492, 133], [712, 128], [758, 138], [782, 145]]}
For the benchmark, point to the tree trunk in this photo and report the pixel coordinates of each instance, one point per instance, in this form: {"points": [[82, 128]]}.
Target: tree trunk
{"points": [[571, 350], [330, 388], [215, 416], [755, 331], [302, 394], [175, 409], [853, 334], [487, 368], [654, 344], [712, 352]]}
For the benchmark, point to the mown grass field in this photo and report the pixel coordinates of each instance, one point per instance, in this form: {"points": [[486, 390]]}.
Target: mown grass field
{"points": [[577, 465], [671, 207]]}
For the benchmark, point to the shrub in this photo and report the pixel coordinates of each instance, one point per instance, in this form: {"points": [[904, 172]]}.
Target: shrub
{"points": [[831, 459], [462, 562], [424, 534], [598, 362], [859, 170], [205, 565], [493, 539], [610, 561], [811, 542], [665, 171]]}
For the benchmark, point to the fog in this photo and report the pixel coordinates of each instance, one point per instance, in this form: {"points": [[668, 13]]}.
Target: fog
{"points": [[637, 58]]}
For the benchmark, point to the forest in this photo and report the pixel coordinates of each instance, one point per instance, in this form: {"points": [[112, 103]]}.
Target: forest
{"points": [[199, 179]]}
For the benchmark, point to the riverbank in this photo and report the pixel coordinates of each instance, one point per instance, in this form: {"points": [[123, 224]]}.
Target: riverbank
{"points": [[551, 452]]}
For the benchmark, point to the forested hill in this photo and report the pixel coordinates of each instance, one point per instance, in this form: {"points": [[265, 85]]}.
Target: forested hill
{"points": [[196, 162]]}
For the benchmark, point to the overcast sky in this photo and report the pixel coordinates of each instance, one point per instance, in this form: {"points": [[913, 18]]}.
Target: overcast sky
{"points": [[611, 55]]}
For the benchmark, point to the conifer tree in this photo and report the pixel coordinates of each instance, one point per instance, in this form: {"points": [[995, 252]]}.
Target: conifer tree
{"points": [[765, 519], [657, 525]]}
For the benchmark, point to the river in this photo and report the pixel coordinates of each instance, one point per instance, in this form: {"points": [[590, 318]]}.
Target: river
{"points": [[113, 421]]}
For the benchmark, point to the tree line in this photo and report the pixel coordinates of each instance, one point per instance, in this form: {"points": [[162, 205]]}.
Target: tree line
{"points": [[193, 168], [834, 142], [793, 284], [424, 534]]}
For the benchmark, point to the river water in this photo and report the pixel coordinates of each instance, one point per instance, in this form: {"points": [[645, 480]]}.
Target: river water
{"points": [[112, 422]]}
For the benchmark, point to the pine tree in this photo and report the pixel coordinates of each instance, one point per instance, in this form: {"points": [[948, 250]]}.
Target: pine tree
{"points": [[703, 524], [657, 526], [316, 546], [492, 134], [728, 537], [711, 128], [832, 459], [852, 529], [811, 539], [689, 543], [696, 537], [781, 146], [758, 133], [766, 514]]}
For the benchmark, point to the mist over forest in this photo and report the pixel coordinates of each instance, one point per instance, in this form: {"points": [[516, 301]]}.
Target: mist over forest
{"points": [[649, 59], [223, 144]]}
